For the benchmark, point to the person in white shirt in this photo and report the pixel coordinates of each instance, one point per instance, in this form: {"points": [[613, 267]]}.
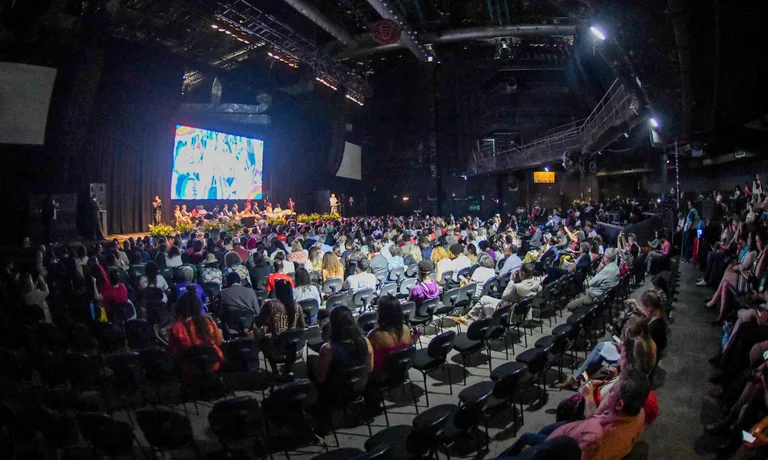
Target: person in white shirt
{"points": [[362, 279], [483, 273], [513, 262], [460, 261]]}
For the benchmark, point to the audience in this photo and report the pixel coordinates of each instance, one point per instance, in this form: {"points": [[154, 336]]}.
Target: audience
{"points": [[391, 334], [192, 328]]}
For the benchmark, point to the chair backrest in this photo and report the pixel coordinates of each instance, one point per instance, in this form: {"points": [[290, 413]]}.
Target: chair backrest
{"points": [[480, 329], [158, 363], [467, 293], [388, 289], [463, 273], [411, 271], [239, 319], [310, 307], [164, 428], [428, 307], [332, 286], [363, 297], [447, 277], [409, 309], [291, 340], [349, 384], [211, 290], [335, 300], [538, 362], [489, 284], [288, 403], [449, 297], [406, 285], [507, 386], [380, 452], [501, 315], [523, 306], [396, 273], [500, 263], [202, 357], [236, 418], [367, 321], [441, 345], [397, 364], [243, 353]]}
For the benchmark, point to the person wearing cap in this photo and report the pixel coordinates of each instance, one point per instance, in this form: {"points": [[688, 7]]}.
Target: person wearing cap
{"points": [[211, 273], [426, 288], [238, 297]]}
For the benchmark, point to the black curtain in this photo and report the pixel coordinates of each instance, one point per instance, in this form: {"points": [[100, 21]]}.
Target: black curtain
{"points": [[131, 140]]}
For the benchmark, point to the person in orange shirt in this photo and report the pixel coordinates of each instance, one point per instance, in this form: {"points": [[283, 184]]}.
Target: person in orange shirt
{"points": [[277, 275], [193, 328]]}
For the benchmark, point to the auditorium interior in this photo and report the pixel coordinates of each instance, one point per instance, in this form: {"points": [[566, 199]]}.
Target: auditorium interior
{"points": [[559, 202]]}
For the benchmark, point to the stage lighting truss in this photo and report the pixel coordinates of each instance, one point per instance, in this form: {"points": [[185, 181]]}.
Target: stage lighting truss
{"points": [[327, 81], [357, 98], [287, 59], [248, 22]]}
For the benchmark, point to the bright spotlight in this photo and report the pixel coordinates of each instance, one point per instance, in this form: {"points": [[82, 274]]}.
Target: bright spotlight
{"points": [[654, 123], [597, 33], [546, 168], [430, 58], [405, 198]]}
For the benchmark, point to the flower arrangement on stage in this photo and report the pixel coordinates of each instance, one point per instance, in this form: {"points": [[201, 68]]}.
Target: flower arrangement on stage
{"points": [[314, 217], [235, 225], [161, 230], [276, 221], [213, 226], [184, 227]]}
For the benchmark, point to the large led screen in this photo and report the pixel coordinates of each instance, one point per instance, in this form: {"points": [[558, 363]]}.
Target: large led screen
{"points": [[211, 165]]}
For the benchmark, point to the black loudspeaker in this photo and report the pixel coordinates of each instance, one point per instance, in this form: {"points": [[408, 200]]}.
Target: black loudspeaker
{"points": [[512, 183], [100, 192], [248, 222]]}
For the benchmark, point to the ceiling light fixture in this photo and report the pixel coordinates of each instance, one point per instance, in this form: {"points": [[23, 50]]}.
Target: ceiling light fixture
{"points": [[355, 98], [327, 81], [597, 33], [654, 123], [214, 26]]}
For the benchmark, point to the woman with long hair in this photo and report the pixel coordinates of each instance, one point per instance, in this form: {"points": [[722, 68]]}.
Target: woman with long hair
{"points": [[391, 334], [332, 267], [152, 278], [439, 254], [738, 274], [192, 328], [277, 316], [304, 288], [316, 259], [346, 348], [297, 255]]}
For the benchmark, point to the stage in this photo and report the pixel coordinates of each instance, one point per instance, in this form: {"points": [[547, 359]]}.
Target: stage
{"points": [[126, 236]]}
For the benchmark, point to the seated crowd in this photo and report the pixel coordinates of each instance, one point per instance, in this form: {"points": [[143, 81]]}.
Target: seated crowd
{"points": [[728, 247], [209, 289]]}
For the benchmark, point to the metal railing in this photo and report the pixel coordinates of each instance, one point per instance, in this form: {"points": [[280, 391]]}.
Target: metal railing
{"points": [[612, 108]]}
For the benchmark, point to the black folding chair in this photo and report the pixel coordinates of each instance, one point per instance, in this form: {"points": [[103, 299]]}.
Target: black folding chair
{"points": [[435, 357]]}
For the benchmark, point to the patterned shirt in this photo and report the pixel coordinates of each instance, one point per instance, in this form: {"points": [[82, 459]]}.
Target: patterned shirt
{"points": [[240, 269], [211, 275]]}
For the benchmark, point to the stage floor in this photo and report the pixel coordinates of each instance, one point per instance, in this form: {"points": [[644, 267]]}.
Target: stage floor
{"points": [[126, 236]]}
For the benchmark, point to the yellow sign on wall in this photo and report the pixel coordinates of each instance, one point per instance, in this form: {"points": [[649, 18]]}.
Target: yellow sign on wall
{"points": [[543, 177]]}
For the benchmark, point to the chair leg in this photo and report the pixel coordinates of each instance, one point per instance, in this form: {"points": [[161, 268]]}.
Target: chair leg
{"points": [[426, 390], [464, 366], [490, 358], [448, 371], [506, 346], [413, 394], [384, 406]]}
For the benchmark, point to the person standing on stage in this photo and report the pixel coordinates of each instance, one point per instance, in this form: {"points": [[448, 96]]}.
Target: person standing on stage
{"points": [[351, 205], [157, 204], [334, 205], [291, 205], [95, 218]]}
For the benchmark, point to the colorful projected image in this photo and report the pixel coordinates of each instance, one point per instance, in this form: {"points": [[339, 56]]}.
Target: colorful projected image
{"points": [[210, 165]]}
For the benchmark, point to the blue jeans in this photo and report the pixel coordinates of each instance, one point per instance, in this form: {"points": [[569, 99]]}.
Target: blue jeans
{"points": [[594, 359], [529, 439]]}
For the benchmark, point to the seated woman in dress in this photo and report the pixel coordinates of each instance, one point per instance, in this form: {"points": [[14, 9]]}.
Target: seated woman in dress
{"points": [[391, 334], [275, 317], [738, 274], [192, 328], [346, 348]]}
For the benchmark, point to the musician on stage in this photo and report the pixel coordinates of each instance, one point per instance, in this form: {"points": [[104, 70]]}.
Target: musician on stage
{"points": [[334, 205], [291, 205], [157, 204]]}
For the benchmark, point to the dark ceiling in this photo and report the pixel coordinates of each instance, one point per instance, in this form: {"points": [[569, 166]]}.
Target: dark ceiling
{"points": [[700, 63]]}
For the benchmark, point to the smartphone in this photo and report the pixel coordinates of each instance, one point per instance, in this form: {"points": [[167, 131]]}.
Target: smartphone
{"points": [[765, 355], [747, 437], [585, 376], [618, 340]]}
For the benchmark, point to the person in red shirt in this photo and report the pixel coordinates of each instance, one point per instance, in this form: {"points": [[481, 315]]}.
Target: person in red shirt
{"points": [[278, 275], [113, 292]]}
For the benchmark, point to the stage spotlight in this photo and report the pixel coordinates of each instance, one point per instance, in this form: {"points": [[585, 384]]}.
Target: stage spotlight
{"points": [[405, 198], [430, 58], [597, 33], [546, 168], [654, 123], [214, 26]]}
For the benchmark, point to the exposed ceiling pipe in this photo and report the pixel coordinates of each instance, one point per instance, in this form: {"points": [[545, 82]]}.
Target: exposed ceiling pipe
{"points": [[472, 33], [314, 15], [407, 40]]}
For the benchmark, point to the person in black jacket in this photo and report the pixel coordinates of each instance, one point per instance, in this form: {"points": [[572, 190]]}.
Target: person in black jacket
{"points": [[259, 272]]}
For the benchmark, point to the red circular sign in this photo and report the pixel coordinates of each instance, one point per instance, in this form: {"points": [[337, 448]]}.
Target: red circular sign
{"points": [[385, 32]]}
